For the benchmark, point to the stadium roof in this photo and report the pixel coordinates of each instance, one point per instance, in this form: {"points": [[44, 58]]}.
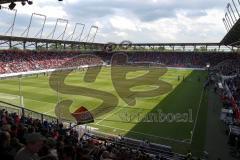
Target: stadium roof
{"points": [[11, 1], [40, 40], [232, 38], [231, 21]]}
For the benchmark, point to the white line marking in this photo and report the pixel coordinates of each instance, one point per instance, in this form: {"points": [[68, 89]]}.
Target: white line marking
{"points": [[169, 139], [8, 96], [109, 115], [29, 99], [49, 111], [188, 141], [195, 123]]}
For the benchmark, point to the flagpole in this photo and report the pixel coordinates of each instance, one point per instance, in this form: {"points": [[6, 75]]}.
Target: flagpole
{"points": [[58, 92], [20, 91]]}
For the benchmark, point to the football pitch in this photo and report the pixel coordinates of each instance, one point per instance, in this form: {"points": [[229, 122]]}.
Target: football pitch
{"points": [[174, 116]]}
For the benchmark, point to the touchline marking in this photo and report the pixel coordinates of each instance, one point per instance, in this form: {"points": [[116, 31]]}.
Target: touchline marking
{"points": [[49, 111], [8, 96], [38, 101], [169, 139], [195, 123], [109, 115]]}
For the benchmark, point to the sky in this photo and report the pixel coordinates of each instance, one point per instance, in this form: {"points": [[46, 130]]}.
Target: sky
{"points": [[139, 21]]}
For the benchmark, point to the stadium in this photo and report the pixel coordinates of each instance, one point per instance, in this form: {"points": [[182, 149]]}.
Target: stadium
{"points": [[65, 96]]}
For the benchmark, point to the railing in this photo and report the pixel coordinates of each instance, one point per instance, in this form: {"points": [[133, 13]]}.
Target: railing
{"points": [[11, 108]]}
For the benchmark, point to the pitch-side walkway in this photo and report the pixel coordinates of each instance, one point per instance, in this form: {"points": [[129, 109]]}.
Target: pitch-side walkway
{"points": [[216, 139]]}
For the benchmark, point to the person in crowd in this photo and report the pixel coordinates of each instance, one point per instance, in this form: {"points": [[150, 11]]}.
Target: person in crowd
{"points": [[12, 61], [5, 147], [67, 153], [34, 142]]}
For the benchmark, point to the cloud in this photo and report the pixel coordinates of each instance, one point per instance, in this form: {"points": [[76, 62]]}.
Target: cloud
{"points": [[122, 23], [194, 13], [145, 10], [135, 20]]}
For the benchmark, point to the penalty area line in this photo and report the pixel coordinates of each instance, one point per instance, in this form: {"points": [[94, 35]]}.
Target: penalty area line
{"points": [[145, 134], [109, 115]]}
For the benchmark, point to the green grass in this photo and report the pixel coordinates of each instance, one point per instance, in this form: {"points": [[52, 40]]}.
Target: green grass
{"points": [[138, 121]]}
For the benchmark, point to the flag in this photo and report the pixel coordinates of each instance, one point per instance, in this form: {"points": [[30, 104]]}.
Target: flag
{"points": [[83, 116]]}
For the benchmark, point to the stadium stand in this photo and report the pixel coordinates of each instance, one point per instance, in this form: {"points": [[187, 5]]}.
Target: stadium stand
{"points": [[23, 137], [227, 86], [13, 61], [23, 61], [19, 134], [37, 136]]}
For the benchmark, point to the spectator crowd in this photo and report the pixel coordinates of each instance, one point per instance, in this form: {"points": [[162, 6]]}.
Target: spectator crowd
{"points": [[227, 73], [25, 138], [12, 61], [23, 61]]}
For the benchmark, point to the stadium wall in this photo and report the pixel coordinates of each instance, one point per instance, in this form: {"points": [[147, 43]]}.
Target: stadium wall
{"points": [[29, 73]]}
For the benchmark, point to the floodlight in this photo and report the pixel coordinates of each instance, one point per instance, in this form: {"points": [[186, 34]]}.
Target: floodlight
{"points": [[23, 3], [30, 2], [12, 5]]}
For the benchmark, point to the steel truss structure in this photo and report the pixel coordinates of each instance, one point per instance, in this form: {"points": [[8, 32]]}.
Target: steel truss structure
{"points": [[231, 21], [79, 39], [10, 42], [37, 43], [54, 39], [9, 1]]}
